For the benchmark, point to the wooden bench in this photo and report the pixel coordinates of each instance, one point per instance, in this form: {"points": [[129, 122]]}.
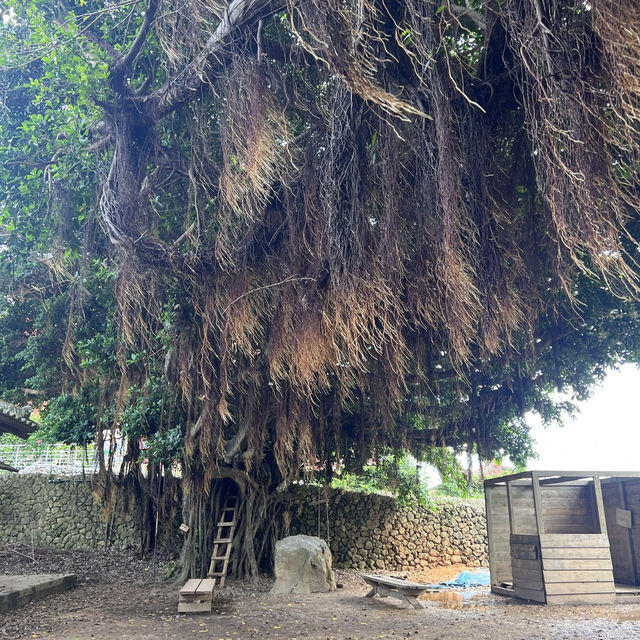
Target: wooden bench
{"points": [[195, 596], [400, 589]]}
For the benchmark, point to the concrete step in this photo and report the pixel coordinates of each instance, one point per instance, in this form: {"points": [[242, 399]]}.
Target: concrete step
{"points": [[18, 590]]}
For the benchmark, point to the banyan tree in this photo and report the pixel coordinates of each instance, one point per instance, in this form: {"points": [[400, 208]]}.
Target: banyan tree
{"points": [[337, 228]]}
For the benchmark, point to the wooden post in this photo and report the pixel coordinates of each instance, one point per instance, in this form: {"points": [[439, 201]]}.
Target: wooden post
{"points": [[632, 555], [597, 489], [511, 531], [537, 502], [491, 543]]}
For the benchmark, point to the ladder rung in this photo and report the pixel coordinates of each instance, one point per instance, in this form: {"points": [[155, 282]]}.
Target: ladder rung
{"points": [[230, 505]]}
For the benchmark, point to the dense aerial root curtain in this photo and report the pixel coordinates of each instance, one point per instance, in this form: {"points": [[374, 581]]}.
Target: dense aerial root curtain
{"points": [[345, 228], [365, 181]]}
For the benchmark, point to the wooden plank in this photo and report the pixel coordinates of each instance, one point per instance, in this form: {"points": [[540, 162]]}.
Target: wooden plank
{"points": [[548, 473], [627, 598], [194, 607], [561, 527], [568, 510], [502, 591], [569, 496], [531, 538], [521, 494], [628, 478], [525, 526], [525, 565], [560, 483], [624, 518], [582, 598], [492, 519], [191, 586], [627, 588], [531, 585], [206, 585], [620, 539], [405, 585], [590, 540], [574, 501], [520, 576], [514, 476], [530, 594], [573, 575], [633, 568], [572, 553], [632, 487], [555, 564], [524, 511], [527, 551], [601, 521], [560, 514], [510, 506], [556, 588], [571, 518], [581, 513]]}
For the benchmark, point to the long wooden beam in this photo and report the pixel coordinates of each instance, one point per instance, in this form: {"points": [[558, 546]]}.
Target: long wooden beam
{"points": [[561, 476]]}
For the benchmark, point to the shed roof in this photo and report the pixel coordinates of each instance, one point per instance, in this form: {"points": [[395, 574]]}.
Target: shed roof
{"points": [[13, 420], [560, 476]]}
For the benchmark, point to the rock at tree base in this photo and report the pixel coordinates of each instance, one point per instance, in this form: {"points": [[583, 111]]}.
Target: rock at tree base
{"points": [[303, 565]]}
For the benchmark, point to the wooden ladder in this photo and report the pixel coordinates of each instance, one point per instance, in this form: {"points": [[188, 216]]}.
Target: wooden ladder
{"points": [[223, 540]]}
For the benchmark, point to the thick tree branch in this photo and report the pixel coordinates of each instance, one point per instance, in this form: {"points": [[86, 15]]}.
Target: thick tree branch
{"points": [[124, 62], [466, 12], [179, 88]]}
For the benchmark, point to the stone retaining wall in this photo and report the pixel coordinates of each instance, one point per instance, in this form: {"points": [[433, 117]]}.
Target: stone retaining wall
{"points": [[369, 531], [365, 531], [59, 512]]}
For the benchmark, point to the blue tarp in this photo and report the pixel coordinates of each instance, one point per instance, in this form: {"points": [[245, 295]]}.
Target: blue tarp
{"points": [[475, 578]]}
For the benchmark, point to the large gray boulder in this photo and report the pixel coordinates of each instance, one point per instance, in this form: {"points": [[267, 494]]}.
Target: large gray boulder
{"points": [[303, 565]]}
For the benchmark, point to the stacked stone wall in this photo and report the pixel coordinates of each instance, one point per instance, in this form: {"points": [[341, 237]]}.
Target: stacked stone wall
{"points": [[62, 513], [364, 531], [370, 531]]}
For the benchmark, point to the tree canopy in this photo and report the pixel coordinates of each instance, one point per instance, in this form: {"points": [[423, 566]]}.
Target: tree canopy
{"points": [[281, 237]]}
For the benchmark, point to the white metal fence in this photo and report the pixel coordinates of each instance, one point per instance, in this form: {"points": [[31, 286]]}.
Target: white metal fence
{"points": [[54, 458]]}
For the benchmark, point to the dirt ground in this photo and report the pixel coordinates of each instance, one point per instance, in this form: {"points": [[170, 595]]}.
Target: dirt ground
{"points": [[117, 598]]}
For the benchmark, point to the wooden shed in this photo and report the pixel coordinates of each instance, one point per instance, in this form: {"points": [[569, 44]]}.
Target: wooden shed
{"points": [[565, 537]]}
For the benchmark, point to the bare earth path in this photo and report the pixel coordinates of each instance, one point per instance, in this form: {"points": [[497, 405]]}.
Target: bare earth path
{"points": [[118, 598]]}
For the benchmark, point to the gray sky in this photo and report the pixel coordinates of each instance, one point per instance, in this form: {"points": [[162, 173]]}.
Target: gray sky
{"points": [[605, 436]]}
